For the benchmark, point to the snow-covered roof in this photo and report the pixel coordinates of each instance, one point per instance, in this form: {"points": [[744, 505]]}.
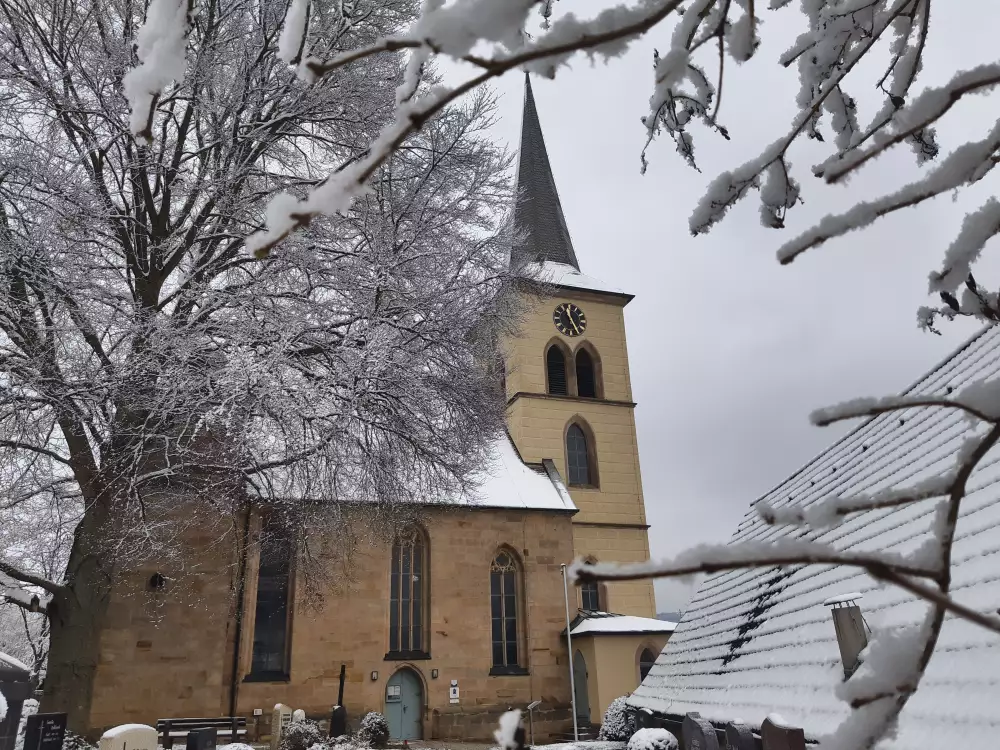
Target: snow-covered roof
{"points": [[596, 623], [563, 274], [507, 482], [755, 642]]}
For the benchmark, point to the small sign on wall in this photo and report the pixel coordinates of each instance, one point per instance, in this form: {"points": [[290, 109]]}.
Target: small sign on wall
{"points": [[453, 692]]}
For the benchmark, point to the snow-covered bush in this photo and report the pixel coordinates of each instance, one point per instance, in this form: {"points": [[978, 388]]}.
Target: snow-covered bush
{"points": [[374, 730], [235, 746], [653, 738], [75, 742], [617, 725], [301, 735]]}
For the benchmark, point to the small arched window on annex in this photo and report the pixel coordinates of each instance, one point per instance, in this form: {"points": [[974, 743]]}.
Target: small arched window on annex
{"points": [[409, 595], [507, 630], [559, 378], [645, 659], [581, 454], [589, 380]]}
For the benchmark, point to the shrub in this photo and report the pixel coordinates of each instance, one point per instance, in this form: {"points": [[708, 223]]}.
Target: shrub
{"points": [[301, 735], [617, 726], [374, 730], [653, 739]]}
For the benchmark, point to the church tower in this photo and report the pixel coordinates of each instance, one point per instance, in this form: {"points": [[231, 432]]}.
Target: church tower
{"points": [[569, 394]]}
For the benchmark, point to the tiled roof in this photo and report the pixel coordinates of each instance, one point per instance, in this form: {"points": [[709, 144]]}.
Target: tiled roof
{"points": [[755, 642], [538, 214]]}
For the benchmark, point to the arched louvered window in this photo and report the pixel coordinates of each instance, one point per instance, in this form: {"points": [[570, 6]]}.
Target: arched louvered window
{"points": [[408, 603], [555, 368], [578, 457], [505, 587], [586, 376], [646, 661], [590, 596]]}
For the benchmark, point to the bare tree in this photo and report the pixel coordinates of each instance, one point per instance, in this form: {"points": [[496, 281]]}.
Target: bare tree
{"points": [[154, 376], [706, 33]]}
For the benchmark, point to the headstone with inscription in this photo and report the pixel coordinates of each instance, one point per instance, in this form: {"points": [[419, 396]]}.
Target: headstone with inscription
{"points": [[774, 735], [129, 737], [280, 719], [739, 737], [44, 732], [698, 733], [202, 739]]}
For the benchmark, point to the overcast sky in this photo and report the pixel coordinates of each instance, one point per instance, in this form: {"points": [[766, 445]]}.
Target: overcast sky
{"points": [[729, 351]]}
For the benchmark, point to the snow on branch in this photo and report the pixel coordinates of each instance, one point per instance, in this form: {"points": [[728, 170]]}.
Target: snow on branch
{"points": [[924, 111], [712, 558], [830, 510], [29, 578], [160, 47], [961, 167], [980, 400]]}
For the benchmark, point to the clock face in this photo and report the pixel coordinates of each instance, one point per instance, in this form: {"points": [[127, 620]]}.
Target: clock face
{"points": [[569, 319]]}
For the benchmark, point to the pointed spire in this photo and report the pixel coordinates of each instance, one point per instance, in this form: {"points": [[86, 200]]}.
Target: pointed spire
{"points": [[538, 214]]}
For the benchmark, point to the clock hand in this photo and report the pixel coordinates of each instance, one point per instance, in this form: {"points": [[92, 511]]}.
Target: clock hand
{"points": [[575, 326]]}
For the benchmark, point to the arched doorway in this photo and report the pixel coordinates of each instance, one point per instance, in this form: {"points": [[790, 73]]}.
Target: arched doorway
{"points": [[404, 705], [580, 688]]}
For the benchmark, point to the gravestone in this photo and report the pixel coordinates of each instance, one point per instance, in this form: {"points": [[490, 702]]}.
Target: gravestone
{"points": [[698, 733], [298, 715], [774, 736], [129, 737], [338, 721], [45, 732], [281, 717], [202, 739], [739, 737]]}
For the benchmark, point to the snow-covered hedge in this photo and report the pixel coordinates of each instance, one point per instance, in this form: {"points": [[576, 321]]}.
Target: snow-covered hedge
{"points": [[653, 739], [374, 730], [617, 725], [301, 735]]}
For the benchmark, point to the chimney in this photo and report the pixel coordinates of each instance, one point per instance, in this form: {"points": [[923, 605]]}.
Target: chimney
{"points": [[850, 626]]}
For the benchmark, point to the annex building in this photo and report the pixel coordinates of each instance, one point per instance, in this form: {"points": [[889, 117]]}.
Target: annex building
{"points": [[463, 615]]}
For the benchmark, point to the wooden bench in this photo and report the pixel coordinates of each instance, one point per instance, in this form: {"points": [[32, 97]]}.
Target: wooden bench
{"points": [[224, 726]]}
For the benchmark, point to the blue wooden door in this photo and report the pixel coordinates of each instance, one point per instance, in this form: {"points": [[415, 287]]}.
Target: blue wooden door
{"points": [[581, 688], [404, 705]]}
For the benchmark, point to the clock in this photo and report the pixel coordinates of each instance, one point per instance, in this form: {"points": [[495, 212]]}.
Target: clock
{"points": [[569, 319]]}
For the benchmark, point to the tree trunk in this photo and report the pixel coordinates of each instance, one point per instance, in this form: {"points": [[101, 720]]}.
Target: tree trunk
{"points": [[76, 617]]}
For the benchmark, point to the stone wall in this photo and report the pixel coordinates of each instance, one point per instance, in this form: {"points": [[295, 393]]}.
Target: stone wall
{"points": [[174, 659]]}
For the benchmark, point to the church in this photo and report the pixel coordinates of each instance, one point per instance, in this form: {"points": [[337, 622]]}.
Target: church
{"points": [[465, 614]]}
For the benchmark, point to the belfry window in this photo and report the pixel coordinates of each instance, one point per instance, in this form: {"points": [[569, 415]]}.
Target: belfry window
{"points": [[586, 380], [555, 368]]}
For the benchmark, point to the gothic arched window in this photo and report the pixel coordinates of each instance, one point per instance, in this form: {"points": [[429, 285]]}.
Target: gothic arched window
{"points": [[646, 661], [408, 605], [555, 369], [505, 588], [579, 458], [586, 375]]}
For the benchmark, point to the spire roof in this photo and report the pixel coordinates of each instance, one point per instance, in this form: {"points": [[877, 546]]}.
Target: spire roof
{"points": [[538, 215]]}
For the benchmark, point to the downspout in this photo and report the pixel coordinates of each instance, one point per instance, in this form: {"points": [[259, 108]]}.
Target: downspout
{"points": [[241, 587]]}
